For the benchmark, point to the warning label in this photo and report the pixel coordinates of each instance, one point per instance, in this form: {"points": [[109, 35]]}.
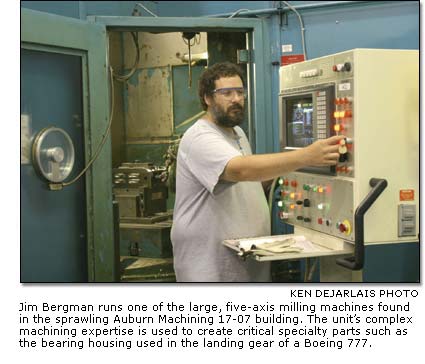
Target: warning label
{"points": [[407, 195]]}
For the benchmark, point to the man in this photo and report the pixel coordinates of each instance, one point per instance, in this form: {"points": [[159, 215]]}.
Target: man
{"points": [[219, 194]]}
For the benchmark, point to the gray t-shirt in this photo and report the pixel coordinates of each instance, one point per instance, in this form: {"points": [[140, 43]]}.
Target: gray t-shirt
{"points": [[208, 210]]}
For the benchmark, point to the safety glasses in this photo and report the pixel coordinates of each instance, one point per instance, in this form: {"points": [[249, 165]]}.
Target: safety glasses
{"points": [[229, 92]]}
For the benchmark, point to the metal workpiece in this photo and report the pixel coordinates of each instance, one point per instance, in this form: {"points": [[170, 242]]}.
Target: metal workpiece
{"points": [[142, 192]]}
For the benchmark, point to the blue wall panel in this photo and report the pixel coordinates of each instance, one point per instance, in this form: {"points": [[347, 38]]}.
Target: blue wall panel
{"points": [[394, 26], [64, 8], [200, 8], [81, 9]]}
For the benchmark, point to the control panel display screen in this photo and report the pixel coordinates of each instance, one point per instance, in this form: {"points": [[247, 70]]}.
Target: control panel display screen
{"points": [[299, 126]]}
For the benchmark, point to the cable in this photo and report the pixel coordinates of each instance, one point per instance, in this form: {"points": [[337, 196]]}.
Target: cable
{"points": [[147, 10], [125, 78], [105, 136], [237, 12], [302, 27]]}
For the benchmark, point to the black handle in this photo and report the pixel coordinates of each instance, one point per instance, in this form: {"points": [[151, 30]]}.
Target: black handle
{"points": [[356, 262]]}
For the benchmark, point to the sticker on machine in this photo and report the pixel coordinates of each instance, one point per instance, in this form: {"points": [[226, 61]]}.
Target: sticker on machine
{"points": [[407, 195], [344, 86]]}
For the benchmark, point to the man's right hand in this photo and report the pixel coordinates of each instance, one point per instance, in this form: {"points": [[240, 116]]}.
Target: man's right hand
{"points": [[323, 152]]}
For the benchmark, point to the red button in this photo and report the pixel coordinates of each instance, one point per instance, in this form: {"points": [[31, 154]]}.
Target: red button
{"points": [[286, 182], [342, 228], [320, 221], [294, 183]]}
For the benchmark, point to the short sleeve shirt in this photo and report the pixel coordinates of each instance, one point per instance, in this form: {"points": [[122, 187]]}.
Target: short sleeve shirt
{"points": [[208, 210]]}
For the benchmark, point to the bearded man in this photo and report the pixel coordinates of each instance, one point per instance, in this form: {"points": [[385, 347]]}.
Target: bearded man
{"points": [[219, 194]]}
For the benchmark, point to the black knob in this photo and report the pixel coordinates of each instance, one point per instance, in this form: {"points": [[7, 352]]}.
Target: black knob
{"points": [[347, 66], [299, 202], [307, 219], [306, 202], [343, 158], [300, 218]]}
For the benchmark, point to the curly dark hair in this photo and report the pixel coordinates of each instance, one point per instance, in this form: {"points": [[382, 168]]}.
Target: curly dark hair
{"points": [[207, 80]]}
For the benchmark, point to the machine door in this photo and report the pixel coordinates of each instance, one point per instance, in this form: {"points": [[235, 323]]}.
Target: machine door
{"points": [[66, 234], [259, 63]]}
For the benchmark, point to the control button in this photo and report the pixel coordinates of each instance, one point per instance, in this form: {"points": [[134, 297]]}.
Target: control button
{"points": [[280, 203], [300, 218], [338, 67], [307, 219], [342, 228], [342, 149], [320, 221], [320, 189], [306, 187], [306, 202], [347, 66], [347, 227], [343, 157], [299, 202], [348, 113], [294, 183], [328, 222]]}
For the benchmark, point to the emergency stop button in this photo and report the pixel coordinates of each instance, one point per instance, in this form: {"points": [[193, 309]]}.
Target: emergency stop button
{"points": [[344, 227]]}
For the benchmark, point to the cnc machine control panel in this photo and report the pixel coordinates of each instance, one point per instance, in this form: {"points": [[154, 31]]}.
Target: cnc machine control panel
{"points": [[371, 97]]}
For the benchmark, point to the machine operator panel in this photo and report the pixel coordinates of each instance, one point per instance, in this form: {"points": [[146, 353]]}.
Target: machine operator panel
{"points": [[365, 95]]}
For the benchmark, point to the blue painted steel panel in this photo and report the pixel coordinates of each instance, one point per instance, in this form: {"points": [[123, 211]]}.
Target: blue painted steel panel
{"points": [[53, 223], [392, 263]]}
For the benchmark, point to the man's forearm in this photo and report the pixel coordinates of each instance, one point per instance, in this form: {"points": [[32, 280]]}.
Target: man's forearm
{"points": [[263, 167]]}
